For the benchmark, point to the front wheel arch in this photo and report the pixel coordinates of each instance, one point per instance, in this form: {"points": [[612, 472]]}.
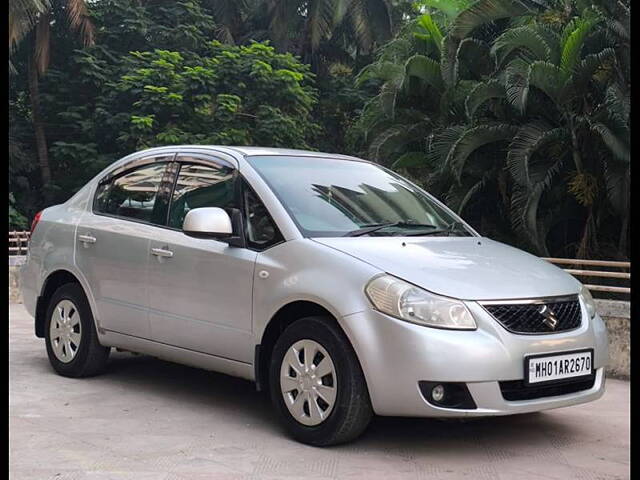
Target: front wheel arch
{"points": [[284, 317]]}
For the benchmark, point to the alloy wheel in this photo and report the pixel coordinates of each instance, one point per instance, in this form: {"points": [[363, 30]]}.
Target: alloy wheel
{"points": [[65, 331], [308, 382]]}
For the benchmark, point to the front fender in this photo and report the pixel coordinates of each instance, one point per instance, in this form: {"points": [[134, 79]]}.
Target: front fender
{"points": [[306, 270]]}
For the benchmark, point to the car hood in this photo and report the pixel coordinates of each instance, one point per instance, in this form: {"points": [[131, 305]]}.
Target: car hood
{"points": [[469, 268]]}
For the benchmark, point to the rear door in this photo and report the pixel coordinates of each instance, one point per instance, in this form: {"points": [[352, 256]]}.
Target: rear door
{"points": [[112, 241], [200, 290]]}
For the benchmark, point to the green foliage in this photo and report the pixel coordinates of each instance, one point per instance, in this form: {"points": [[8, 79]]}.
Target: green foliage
{"points": [[229, 95], [154, 77], [516, 113], [16, 219]]}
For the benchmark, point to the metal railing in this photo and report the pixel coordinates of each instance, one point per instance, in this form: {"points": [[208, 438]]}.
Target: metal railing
{"points": [[594, 270], [18, 242]]}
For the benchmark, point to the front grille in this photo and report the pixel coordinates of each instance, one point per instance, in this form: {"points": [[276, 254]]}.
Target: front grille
{"points": [[527, 317], [516, 389]]}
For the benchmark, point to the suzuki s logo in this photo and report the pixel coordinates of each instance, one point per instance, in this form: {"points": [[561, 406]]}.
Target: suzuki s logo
{"points": [[550, 319]]}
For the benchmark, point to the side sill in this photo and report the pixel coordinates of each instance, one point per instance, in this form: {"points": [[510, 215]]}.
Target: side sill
{"points": [[178, 355]]}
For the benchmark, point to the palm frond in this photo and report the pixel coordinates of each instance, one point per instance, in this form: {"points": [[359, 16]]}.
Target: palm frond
{"points": [[379, 17], [440, 143], [388, 96], [525, 204], [618, 104], [371, 118], [385, 71], [481, 93], [471, 191], [516, 84], [426, 22], [451, 8], [483, 12], [524, 38], [411, 160], [23, 16], [79, 20], [320, 17], [474, 59], [552, 40], [524, 216], [281, 13], [371, 21], [618, 186], [425, 69], [528, 140], [393, 139], [545, 76], [572, 45], [474, 138], [583, 72], [618, 146]]}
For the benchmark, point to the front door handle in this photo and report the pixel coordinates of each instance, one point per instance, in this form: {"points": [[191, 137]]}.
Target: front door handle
{"points": [[86, 239], [161, 252]]}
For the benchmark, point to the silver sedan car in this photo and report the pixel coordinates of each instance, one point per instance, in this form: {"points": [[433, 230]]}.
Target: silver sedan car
{"points": [[336, 285]]}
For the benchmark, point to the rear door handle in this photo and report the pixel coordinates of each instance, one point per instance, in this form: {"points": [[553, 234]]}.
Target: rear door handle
{"points": [[161, 252], [87, 239]]}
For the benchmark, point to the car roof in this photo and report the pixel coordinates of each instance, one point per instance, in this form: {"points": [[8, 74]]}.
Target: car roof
{"points": [[268, 151], [252, 151]]}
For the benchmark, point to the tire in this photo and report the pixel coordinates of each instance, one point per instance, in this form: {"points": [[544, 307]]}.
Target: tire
{"points": [[88, 358], [350, 413]]}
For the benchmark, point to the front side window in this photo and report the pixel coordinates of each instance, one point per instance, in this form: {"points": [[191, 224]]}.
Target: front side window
{"points": [[261, 230], [135, 194], [201, 186], [331, 197]]}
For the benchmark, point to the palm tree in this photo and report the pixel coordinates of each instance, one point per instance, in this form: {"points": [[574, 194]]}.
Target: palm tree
{"points": [[306, 26], [510, 105], [23, 15], [36, 17], [582, 114]]}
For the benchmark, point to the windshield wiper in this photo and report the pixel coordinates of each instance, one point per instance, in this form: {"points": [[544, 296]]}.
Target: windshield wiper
{"points": [[452, 227], [379, 226]]}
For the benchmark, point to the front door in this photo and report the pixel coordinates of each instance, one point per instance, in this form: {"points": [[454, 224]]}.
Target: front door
{"points": [[112, 243], [200, 290]]}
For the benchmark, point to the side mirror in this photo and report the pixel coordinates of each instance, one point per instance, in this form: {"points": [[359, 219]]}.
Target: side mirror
{"points": [[207, 222]]}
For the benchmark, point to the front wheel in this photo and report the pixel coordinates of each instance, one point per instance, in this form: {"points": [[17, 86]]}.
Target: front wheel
{"points": [[317, 384]]}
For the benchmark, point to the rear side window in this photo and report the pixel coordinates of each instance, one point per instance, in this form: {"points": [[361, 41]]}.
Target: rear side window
{"points": [[201, 186], [135, 195]]}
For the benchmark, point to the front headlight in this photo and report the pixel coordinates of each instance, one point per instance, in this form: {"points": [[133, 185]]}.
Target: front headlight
{"points": [[402, 300], [586, 297]]}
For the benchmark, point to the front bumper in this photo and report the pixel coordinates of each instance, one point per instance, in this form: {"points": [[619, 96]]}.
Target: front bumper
{"points": [[395, 355]]}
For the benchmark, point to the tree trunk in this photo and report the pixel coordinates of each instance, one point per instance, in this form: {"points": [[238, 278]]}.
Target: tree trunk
{"points": [[575, 148], [38, 126]]}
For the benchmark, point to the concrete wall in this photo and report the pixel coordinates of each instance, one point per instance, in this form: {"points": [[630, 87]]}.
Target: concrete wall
{"points": [[616, 314], [15, 295]]}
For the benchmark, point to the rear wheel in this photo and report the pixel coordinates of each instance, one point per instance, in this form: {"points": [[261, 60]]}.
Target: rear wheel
{"points": [[70, 335], [317, 384]]}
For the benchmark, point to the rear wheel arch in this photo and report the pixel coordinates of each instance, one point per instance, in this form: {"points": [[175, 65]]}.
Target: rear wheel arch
{"points": [[52, 283]]}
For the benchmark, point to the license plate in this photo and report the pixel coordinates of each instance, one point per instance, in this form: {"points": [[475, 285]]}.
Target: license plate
{"points": [[555, 367]]}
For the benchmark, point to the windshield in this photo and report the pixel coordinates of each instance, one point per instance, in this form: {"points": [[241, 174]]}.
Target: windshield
{"points": [[331, 198]]}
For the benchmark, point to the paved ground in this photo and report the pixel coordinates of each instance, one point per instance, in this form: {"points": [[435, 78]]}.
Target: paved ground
{"points": [[148, 419]]}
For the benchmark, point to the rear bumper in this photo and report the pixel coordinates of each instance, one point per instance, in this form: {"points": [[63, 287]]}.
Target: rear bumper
{"points": [[28, 281], [396, 355]]}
